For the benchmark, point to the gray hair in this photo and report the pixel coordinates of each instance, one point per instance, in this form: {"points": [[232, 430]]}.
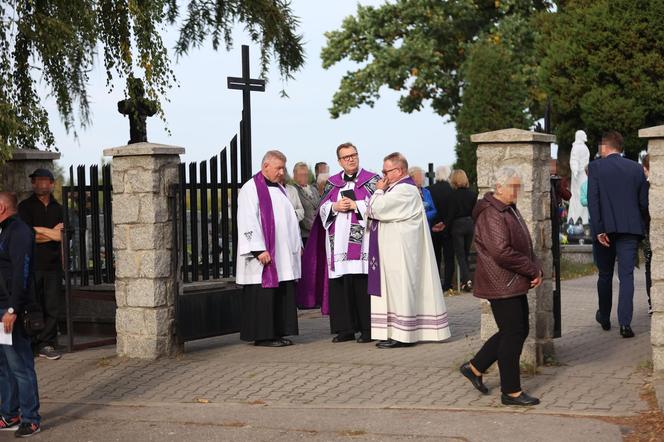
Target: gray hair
{"points": [[397, 158], [443, 173], [300, 165], [413, 170], [504, 174], [270, 154]]}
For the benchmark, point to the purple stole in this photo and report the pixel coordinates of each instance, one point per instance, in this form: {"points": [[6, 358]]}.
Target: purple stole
{"points": [[312, 288], [373, 283], [270, 278]]}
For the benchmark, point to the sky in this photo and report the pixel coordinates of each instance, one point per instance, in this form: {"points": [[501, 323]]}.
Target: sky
{"points": [[203, 115]]}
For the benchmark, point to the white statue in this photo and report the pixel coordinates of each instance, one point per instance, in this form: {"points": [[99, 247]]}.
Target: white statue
{"points": [[578, 160]]}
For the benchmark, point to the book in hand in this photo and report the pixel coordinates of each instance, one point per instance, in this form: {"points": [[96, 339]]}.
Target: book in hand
{"points": [[349, 193]]}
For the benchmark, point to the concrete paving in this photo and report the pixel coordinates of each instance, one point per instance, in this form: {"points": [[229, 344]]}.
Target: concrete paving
{"points": [[323, 391]]}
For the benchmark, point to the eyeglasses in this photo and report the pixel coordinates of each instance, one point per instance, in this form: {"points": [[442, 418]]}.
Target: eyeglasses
{"points": [[347, 158], [385, 172]]}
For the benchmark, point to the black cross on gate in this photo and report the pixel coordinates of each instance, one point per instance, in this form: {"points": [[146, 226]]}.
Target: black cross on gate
{"points": [[246, 84], [431, 174]]}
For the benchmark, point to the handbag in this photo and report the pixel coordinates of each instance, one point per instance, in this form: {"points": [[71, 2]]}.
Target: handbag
{"points": [[30, 315]]}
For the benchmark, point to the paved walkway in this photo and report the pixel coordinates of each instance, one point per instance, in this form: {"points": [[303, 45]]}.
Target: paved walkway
{"points": [[596, 373]]}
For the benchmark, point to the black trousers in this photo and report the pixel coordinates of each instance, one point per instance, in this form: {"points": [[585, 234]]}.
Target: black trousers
{"points": [[48, 291], [462, 238], [350, 305], [268, 313], [444, 249], [511, 315]]}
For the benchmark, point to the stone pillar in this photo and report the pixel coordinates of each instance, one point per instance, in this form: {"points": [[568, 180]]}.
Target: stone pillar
{"points": [[529, 153], [145, 271], [14, 173], [655, 137]]}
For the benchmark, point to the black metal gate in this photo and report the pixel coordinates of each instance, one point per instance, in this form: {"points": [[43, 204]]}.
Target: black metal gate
{"points": [[208, 303], [88, 263]]}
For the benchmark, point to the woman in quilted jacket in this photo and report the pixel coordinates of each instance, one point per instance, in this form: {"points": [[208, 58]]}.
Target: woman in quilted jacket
{"points": [[506, 270]]}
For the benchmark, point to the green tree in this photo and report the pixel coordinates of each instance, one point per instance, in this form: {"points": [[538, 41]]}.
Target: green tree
{"points": [[603, 67], [495, 96], [54, 43], [418, 47]]}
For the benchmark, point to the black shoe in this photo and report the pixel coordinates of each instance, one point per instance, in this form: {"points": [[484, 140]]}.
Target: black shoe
{"points": [[344, 337], [391, 343], [10, 424], [286, 341], [49, 352], [270, 343], [27, 430], [523, 400], [474, 379], [364, 338], [606, 325], [626, 331]]}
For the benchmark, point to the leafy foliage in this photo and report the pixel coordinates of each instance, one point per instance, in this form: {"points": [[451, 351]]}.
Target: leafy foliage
{"points": [[603, 66], [418, 46], [53, 44], [495, 96]]}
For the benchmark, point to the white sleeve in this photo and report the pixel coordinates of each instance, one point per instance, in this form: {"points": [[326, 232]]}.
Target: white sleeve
{"points": [[399, 204], [249, 230], [327, 214]]}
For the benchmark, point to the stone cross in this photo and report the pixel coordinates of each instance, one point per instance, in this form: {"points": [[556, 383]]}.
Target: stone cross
{"points": [[137, 108], [431, 174]]}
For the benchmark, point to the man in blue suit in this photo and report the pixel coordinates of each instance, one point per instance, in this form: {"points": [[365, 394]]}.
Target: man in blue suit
{"points": [[618, 204]]}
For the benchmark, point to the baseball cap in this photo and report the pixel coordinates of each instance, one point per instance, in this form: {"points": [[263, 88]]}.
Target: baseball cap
{"points": [[39, 173]]}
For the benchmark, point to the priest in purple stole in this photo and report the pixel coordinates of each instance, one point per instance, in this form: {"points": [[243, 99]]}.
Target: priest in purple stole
{"points": [[343, 217], [268, 257], [407, 303]]}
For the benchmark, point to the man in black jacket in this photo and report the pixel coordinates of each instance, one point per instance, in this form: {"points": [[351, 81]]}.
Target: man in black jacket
{"points": [[18, 380], [44, 214], [442, 240]]}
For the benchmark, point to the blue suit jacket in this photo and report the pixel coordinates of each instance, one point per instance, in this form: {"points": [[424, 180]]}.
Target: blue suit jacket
{"points": [[617, 196]]}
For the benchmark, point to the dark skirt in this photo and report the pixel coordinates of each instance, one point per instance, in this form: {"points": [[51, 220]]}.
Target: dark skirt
{"points": [[268, 313]]}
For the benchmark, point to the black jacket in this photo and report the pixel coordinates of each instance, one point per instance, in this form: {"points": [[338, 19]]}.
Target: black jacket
{"points": [[460, 204], [16, 246], [440, 193]]}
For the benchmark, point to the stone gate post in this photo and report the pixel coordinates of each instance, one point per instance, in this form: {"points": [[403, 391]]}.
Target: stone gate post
{"points": [[14, 173], [529, 152], [145, 275], [655, 137]]}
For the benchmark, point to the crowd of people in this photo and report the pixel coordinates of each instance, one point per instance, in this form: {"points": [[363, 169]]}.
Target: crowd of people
{"points": [[374, 252], [367, 250]]}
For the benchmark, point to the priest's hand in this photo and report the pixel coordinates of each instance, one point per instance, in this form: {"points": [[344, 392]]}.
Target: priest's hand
{"points": [[265, 258], [343, 205], [381, 184]]}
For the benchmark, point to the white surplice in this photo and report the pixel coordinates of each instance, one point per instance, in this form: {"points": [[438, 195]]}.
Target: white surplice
{"points": [[342, 220], [288, 243], [411, 307]]}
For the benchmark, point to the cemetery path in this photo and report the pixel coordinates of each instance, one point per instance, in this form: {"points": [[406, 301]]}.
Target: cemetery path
{"points": [[321, 390]]}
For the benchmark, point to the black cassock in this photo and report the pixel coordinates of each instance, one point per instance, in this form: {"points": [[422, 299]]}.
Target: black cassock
{"points": [[268, 313], [350, 305]]}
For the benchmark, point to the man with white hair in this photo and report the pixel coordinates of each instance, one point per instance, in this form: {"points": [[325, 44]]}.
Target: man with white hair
{"points": [[268, 257], [407, 303], [442, 240]]}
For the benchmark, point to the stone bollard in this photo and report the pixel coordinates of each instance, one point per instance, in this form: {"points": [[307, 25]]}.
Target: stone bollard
{"points": [[14, 173], [655, 137], [529, 153], [145, 271]]}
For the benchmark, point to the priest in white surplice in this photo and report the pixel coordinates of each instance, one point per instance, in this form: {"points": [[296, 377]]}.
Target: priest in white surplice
{"points": [[268, 258], [343, 216], [407, 303]]}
